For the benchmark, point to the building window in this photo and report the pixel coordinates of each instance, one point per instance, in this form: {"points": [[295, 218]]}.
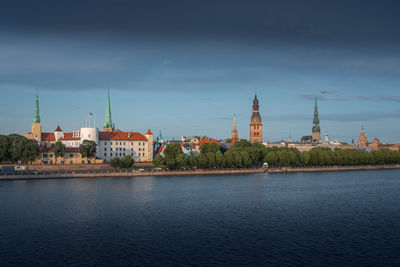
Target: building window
{"points": [[51, 155], [105, 154], [110, 154], [105, 149], [110, 148], [124, 143], [110, 143], [124, 154], [105, 143], [71, 162], [71, 155]]}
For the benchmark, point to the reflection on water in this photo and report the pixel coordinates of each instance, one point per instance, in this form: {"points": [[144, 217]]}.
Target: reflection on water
{"points": [[311, 219]]}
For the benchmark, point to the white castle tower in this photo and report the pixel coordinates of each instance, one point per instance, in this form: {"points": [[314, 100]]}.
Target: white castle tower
{"points": [[150, 146], [90, 132]]}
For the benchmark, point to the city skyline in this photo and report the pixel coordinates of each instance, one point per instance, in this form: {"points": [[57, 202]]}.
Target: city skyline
{"points": [[200, 64], [90, 119]]}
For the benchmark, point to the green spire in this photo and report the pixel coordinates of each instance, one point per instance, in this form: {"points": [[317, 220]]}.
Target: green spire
{"points": [[36, 116], [108, 120]]}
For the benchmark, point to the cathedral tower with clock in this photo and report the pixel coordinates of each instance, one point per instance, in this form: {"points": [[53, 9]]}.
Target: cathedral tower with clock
{"points": [[255, 123]]}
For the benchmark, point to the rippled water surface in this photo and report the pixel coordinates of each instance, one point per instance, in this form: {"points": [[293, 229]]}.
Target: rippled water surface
{"points": [[262, 219]]}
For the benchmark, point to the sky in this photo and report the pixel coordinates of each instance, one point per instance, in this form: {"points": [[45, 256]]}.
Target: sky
{"points": [[186, 67]]}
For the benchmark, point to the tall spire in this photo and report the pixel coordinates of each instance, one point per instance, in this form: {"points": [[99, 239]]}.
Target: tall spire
{"points": [[316, 130], [255, 104], [235, 134], [316, 119], [36, 116], [108, 120]]}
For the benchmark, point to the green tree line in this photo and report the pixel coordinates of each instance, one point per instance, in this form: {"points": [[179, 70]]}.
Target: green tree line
{"points": [[244, 154], [15, 148]]}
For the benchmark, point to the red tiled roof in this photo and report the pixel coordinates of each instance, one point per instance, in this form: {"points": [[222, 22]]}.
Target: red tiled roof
{"points": [[160, 150], [149, 132], [48, 137], [208, 140], [118, 135], [69, 136]]}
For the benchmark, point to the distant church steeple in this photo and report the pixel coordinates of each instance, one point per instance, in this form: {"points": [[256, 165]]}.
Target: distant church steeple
{"points": [[316, 130], [36, 127], [255, 123], [235, 135], [108, 126], [36, 116]]}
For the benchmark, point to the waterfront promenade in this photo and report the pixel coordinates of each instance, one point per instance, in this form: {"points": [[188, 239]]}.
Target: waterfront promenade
{"points": [[103, 173], [125, 173]]}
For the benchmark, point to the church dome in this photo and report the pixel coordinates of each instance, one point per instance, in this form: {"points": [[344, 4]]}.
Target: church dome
{"points": [[255, 118]]}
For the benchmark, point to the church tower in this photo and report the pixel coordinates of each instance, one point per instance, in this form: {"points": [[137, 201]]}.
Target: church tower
{"points": [[235, 135], [316, 130], [362, 139], [108, 126], [36, 126], [255, 123]]}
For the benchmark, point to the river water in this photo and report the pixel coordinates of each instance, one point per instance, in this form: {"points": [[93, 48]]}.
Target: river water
{"points": [[313, 219]]}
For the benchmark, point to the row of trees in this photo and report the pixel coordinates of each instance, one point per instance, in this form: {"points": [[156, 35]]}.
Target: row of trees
{"points": [[242, 154], [16, 148], [245, 154], [126, 162]]}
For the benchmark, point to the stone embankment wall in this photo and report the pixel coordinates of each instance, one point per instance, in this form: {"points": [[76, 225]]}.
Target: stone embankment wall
{"points": [[72, 167], [334, 168]]}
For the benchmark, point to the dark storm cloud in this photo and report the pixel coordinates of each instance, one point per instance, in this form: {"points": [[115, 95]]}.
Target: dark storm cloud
{"points": [[362, 23]]}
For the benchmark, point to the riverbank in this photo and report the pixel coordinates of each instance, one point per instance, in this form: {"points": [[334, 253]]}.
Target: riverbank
{"points": [[134, 173], [141, 173], [334, 168]]}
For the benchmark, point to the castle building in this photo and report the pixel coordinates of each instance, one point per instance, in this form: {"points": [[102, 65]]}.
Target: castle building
{"points": [[376, 144], [235, 135], [316, 130], [111, 143], [255, 123]]}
